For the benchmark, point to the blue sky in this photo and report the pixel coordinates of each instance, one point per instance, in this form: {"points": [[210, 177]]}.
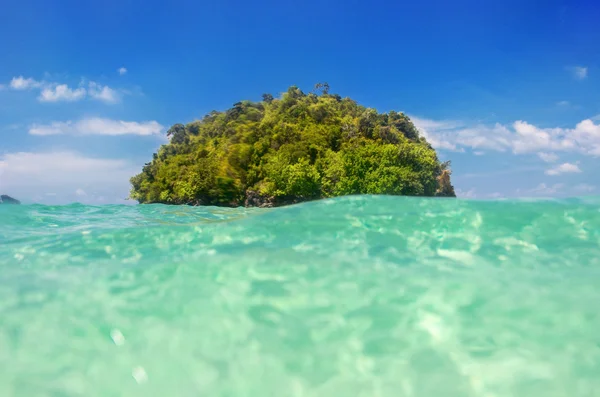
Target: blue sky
{"points": [[508, 91]]}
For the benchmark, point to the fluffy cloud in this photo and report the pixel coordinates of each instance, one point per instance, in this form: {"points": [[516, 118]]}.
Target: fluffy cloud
{"points": [[530, 138], [55, 92], [579, 72], [519, 138], [122, 71], [97, 126], [21, 83], [61, 92], [31, 175], [103, 93], [564, 168], [548, 157], [456, 136]]}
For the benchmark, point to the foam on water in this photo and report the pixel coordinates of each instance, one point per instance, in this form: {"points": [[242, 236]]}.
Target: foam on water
{"points": [[357, 296]]}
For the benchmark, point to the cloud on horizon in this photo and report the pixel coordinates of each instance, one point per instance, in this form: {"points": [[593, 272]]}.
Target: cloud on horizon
{"points": [[65, 176], [546, 190]]}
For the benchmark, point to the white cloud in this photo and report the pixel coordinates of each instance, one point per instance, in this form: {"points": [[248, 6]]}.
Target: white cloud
{"points": [[456, 135], [61, 92], [21, 83], [559, 189], [465, 194], [433, 131], [100, 126], [122, 71], [584, 188], [530, 138], [543, 189], [520, 137], [80, 192], [501, 172], [103, 93], [563, 103], [54, 128], [548, 157], [579, 72], [564, 168], [2, 87], [97, 126], [587, 135], [28, 175], [55, 92]]}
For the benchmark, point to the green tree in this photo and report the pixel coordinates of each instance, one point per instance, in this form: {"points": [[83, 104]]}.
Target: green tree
{"points": [[177, 133], [294, 148]]}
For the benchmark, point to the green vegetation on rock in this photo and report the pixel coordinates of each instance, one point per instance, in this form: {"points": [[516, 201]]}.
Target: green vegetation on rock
{"points": [[296, 148]]}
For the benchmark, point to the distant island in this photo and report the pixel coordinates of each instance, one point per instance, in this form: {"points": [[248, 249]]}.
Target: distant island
{"points": [[286, 150], [4, 199]]}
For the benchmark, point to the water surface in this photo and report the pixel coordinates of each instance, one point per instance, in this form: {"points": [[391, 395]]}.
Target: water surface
{"points": [[356, 296]]}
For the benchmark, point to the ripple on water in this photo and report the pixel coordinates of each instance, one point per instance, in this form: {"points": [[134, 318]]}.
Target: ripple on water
{"points": [[356, 296]]}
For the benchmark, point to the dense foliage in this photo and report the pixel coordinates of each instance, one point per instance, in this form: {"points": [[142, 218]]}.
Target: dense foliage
{"points": [[295, 148]]}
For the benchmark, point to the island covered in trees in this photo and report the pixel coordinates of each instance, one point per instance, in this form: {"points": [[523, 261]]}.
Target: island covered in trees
{"points": [[286, 150]]}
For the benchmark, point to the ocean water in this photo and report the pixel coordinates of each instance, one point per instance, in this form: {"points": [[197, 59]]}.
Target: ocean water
{"points": [[356, 296]]}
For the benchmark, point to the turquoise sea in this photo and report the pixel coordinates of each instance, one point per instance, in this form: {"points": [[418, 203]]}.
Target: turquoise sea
{"points": [[355, 296]]}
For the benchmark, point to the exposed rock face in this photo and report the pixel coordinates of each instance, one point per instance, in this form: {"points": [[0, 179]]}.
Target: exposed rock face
{"points": [[254, 199], [445, 188], [4, 199]]}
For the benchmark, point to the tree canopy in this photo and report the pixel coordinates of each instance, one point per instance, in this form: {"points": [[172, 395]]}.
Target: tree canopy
{"points": [[294, 148]]}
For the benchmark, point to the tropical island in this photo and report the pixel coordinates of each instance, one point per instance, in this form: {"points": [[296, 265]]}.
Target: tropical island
{"points": [[6, 199], [286, 150]]}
